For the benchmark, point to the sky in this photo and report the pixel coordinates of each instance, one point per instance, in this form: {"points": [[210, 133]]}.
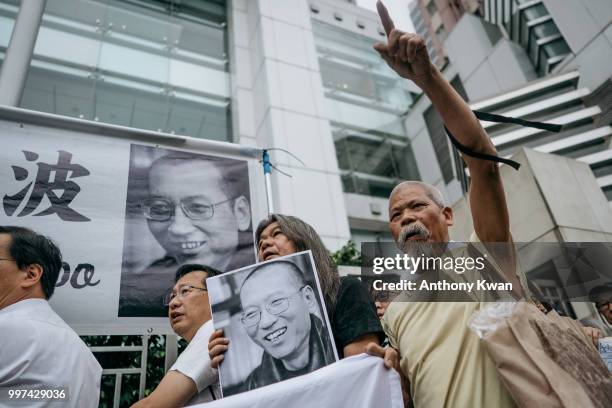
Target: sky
{"points": [[398, 9]]}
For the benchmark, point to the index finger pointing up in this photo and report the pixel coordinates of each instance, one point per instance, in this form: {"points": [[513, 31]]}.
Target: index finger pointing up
{"points": [[385, 18]]}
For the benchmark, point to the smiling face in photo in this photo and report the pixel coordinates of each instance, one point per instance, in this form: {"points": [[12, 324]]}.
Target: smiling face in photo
{"points": [[210, 241], [282, 333]]}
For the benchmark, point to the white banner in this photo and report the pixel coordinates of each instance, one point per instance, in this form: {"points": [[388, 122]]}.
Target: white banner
{"points": [[126, 214], [358, 382]]}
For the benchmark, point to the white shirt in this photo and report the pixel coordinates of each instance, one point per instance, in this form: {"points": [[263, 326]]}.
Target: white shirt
{"points": [[38, 349], [358, 382], [194, 363]]}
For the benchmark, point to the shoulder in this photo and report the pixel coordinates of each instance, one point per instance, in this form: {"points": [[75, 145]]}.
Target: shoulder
{"points": [[355, 313], [17, 334], [350, 286], [199, 344], [194, 362], [254, 380]]}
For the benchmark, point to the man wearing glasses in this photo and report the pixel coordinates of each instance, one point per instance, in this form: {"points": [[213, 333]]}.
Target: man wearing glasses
{"points": [[191, 380], [279, 313], [197, 209]]}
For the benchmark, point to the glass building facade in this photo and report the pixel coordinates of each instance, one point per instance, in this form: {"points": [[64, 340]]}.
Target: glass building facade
{"points": [[158, 65], [365, 101]]}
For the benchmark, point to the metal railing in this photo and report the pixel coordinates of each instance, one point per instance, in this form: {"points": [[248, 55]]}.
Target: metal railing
{"points": [[171, 351]]}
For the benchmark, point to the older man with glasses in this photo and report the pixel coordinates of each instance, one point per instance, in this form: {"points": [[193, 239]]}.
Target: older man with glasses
{"points": [[197, 209], [191, 380], [279, 313]]}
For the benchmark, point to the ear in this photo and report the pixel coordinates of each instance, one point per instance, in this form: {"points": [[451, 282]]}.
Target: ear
{"points": [[448, 214], [309, 298], [33, 273], [242, 212]]}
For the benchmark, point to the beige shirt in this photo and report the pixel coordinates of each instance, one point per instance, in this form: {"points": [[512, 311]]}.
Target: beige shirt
{"points": [[444, 360]]}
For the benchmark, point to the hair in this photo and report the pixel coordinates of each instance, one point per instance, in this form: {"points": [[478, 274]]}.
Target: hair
{"points": [[297, 272], [600, 292], [28, 248], [304, 237], [432, 192], [234, 182], [188, 268]]}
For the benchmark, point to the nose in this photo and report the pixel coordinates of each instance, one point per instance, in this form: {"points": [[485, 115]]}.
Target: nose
{"points": [[264, 244], [174, 303], [407, 217], [267, 320], [181, 224]]}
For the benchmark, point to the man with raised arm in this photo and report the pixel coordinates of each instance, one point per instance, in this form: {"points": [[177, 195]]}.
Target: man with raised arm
{"points": [[441, 358]]}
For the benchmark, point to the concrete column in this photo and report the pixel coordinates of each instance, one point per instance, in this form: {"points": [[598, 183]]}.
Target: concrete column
{"points": [[279, 101], [19, 51]]}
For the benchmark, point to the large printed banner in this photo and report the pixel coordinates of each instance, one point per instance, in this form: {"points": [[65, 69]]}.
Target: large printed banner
{"points": [[126, 215]]}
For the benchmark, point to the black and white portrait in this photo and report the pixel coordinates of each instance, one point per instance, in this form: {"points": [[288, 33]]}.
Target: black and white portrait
{"points": [[273, 315], [182, 207]]}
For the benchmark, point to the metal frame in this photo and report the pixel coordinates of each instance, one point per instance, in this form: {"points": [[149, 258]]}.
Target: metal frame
{"points": [[118, 373]]}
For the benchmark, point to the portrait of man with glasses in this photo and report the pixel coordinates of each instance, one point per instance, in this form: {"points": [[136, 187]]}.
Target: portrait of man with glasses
{"points": [[277, 304], [184, 208]]}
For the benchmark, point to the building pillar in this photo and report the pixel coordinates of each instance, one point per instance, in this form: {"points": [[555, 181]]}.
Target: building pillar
{"points": [[19, 51], [278, 95]]}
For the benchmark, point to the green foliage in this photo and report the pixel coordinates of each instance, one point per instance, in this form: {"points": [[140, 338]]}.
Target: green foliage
{"points": [[348, 255]]}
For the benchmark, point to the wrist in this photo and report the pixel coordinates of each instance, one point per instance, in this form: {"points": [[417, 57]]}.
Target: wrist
{"points": [[428, 79]]}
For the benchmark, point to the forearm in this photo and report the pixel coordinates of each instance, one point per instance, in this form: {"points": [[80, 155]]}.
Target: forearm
{"points": [[457, 115], [174, 390]]}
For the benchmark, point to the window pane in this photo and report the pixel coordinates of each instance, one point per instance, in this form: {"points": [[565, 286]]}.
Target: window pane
{"points": [[158, 65], [365, 102]]}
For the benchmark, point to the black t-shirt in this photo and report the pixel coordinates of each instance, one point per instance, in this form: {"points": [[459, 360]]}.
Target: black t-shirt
{"points": [[355, 314]]}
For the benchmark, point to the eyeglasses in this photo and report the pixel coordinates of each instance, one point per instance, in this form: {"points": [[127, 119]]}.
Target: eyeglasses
{"points": [[252, 316], [7, 259], [183, 292], [195, 208], [382, 296]]}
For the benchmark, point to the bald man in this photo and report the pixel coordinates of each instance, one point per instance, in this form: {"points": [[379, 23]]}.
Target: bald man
{"points": [[279, 313], [443, 361]]}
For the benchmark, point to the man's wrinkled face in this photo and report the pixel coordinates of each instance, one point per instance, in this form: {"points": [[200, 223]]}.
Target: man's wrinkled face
{"points": [[208, 241], [273, 243], [415, 219], [187, 313], [10, 274], [283, 334]]}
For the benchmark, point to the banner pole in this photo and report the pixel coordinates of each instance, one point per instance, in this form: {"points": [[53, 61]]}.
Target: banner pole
{"points": [[267, 168]]}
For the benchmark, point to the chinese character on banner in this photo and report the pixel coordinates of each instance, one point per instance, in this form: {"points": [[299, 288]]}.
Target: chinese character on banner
{"points": [[53, 181]]}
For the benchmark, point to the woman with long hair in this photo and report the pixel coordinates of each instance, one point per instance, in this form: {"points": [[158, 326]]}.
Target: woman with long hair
{"points": [[354, 322]]}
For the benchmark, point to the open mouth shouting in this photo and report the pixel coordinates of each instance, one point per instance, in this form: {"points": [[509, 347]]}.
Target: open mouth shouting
{"points": [[276, 335]]}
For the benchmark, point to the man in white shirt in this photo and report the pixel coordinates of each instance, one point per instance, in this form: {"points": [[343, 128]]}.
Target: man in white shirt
{"points": [[38, 350], [191, 380]]}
